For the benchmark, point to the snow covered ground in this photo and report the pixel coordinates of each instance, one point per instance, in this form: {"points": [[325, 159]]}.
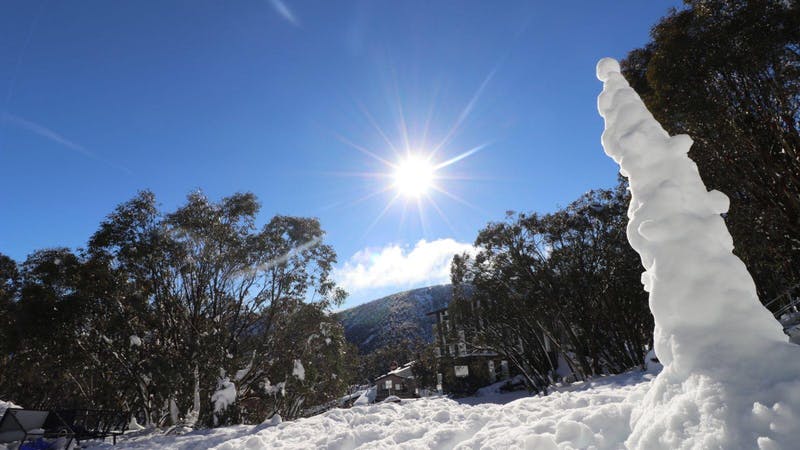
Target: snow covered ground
{"points": [[593, 414]]}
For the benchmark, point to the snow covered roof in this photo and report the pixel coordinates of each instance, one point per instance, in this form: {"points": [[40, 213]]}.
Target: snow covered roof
{"points": [[403, 372]]}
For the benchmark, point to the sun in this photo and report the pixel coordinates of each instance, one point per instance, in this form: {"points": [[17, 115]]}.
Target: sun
{"points": [[413, 177]]}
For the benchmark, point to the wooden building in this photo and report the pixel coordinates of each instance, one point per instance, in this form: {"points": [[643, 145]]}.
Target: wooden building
{"points": [[399, 382]]}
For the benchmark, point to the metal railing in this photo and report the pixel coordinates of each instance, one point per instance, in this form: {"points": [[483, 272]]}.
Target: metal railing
{"points": [[787, 301]]}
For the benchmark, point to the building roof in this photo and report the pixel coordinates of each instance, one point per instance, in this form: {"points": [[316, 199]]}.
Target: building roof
{"points": [[436, 311], [403, 372]]}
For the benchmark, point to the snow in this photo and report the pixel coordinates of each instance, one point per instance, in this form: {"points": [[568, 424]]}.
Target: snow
{"points": [[136, 341], [367, 397], [5, 405], [722, 374], [652, 363], [173, 411], [133, 425], [593, 414], [224, 396], [404, 371], [730, 379], [299, 371], [494, 393], [241, 373], [279, 388]]}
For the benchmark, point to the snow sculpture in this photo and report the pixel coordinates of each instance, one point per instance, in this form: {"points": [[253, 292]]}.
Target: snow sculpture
{"points": [[730, 377]]}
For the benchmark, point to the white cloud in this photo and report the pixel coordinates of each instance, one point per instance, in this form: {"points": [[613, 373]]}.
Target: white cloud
{"points": [[399, 267]]}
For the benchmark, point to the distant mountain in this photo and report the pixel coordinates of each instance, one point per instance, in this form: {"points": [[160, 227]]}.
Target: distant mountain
{"points": [[375, 324]]}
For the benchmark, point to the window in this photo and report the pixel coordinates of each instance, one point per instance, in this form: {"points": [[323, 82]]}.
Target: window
{"points": [[388, 384], [461, 371]]}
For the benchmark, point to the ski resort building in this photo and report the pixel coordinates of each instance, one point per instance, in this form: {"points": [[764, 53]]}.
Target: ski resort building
{"points": [[399, 382], [463, 364]]}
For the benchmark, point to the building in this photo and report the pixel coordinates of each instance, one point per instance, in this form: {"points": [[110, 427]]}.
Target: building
{"points": [[463, 364], [399, 382]]}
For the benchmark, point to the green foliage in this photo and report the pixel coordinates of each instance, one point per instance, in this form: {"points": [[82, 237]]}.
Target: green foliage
{"points": [[162, 307], [9, 285], [565, 282]]}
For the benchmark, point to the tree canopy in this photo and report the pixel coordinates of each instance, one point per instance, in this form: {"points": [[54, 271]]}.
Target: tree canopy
{"points": [[728, 74], [163, 310]]}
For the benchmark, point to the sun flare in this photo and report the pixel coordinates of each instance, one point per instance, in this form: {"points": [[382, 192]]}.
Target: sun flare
{"points": [[413, 176]]}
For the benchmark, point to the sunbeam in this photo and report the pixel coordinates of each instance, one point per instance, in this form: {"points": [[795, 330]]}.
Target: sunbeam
{"points": [[464, 113], [416, 169], [382, 213], [364, 151], [457, 198]]}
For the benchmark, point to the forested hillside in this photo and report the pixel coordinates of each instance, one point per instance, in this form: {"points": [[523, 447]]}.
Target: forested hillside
{"points": [[394, 318]]}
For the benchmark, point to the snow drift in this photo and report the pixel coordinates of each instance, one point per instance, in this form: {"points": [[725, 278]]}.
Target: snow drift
{"points": [[593, 414], [730, 377]]}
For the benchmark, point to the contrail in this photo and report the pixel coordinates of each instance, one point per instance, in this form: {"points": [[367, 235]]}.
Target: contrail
{"points": [[51, 135], [280, 7], [45, 132]]}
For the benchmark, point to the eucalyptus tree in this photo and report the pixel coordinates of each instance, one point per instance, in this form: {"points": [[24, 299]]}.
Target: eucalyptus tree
{"points": [[727, 72], [213, 295], [9, 286], [558, 284], [45, 311]]}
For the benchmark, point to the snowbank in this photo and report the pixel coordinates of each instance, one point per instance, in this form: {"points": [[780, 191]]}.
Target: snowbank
{"points": [[581, 415], [730, 378], [367, 397]]}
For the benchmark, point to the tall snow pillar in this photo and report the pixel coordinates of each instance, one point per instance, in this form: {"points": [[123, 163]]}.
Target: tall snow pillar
{"points": [[729, 370]]}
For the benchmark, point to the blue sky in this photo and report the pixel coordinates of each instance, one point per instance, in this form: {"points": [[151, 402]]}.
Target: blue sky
{"points": [[284, 98]]}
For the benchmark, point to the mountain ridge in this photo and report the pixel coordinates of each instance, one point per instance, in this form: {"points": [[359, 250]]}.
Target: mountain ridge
{"points": [[403, 315]]}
